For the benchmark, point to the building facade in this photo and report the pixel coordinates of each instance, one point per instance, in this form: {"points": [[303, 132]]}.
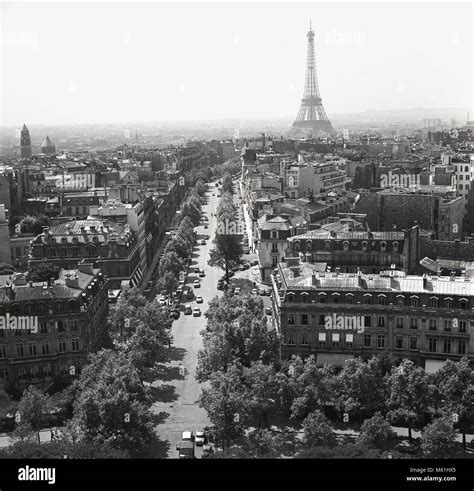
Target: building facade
{"points": [[67, 320]]}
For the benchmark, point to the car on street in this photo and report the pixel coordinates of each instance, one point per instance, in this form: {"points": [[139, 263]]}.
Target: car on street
{"points": [[199, 299], [187, 436], [196, 312], [162, 301], [196, 270], [268, 310], [246, 250], [254, 262], [203, 242], [202, 273], [197, 284], [205, 226], [255, 291], [237, 291], [207, 451], [200, 438], [188, 310]]}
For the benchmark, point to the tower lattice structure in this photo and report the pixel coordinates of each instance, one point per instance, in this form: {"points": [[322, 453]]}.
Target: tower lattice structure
{"points": [[312, 116]]}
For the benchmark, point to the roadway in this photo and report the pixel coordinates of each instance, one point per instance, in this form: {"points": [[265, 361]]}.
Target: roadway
{"points": [[178, 390]]}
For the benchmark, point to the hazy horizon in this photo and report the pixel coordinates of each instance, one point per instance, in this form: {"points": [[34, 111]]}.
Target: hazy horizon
{"points": [[119, 63]]}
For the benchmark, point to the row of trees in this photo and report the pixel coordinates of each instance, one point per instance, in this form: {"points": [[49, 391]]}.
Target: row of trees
{"points": [[227, 251], [209, 173]]}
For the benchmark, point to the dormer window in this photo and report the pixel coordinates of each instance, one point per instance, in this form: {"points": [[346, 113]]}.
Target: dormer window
{"points": [[63, 240], [345, 245], [383, 246], [395, 246], [364, 245]]}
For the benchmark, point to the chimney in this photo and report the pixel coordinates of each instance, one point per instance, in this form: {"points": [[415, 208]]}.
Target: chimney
{"points": [[425, 282], [72, 280]]}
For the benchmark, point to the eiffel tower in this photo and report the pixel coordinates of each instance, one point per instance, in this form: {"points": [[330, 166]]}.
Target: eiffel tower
{"points": [[312, 117]]}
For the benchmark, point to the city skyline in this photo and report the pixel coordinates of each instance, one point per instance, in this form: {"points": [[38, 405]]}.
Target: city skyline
{"points": [[224, 61]]}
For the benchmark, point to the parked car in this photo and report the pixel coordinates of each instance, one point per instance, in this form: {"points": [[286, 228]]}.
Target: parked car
{"points": [[254, 262], [197, 284], [268, 310], [196, 270], [196, 312], [246, 250], [202, 273], [207, 451], [220, 285], [203, 242], [199, 299], [255, 291], [200, 438], [237, 291], [162, 301], [187, 436], [188, 310]]}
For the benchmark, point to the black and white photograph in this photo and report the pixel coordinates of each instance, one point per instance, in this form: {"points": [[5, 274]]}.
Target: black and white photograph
{"points": [[241, 232]]}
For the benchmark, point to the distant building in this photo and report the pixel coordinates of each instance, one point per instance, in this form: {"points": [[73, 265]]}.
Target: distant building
{"points": [[25, 143], [47, 147], [69, 316], [4, 236]]}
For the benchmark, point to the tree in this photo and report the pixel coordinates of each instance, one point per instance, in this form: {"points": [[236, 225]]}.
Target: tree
{"points": [[6, 269], [167, 283], [170, 262], [243, 336], [113, 406], [200, 187], [34, 225], [192, 210], [227, 184], [376, 432], [318, 430], [122, 314], [307, 386], [225, 403], [32, 414], [180, 246], [270, 444], [260, 390], [410, 395], [439, 439], [227, 252], [44, 272], [348, 451], [360, 387], [454, 383]]}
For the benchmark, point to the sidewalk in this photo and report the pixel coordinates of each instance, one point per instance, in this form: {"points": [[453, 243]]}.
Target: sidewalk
{"points": [[153, 265]]}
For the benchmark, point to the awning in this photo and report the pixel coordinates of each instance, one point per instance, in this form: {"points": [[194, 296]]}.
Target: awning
{"points": [[137, 277], [335, 359], [432, 366]]}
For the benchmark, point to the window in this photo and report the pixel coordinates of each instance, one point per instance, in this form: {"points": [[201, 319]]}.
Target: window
{"points": [[32, 349], [47, 370], [349, 340], [381, 322], [274, 247], [291, 319], [3, 351], [367, 340], [433, 324], [304, 319], [43, 328], [367, 300], [290, 298], [274, 261], [335, 339], [462, 326], [322, 299], [461, 347], [413, 323], [433, 302], [335, 299], [34, 372], [290, 339], [414, 301], [463, 304], [367, 321], [432, 345], [274, 234], [446, 346], [382, 300], [60, 326], [20, 351], [448, 303], [349, 299], [62, 346], [364, 245], [304, 298], [380, 341], [322, 338], [400, 300], [4, 374], [64, 370], [395, 246], [322, 320], [398, 342], [45, 348], [345, 245], [413, 343], [448, 323], [383, 246], [75, 344], [304, 339]]}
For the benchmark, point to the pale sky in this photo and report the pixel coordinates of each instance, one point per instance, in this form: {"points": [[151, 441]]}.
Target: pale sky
{"points": [[81, 62]]}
